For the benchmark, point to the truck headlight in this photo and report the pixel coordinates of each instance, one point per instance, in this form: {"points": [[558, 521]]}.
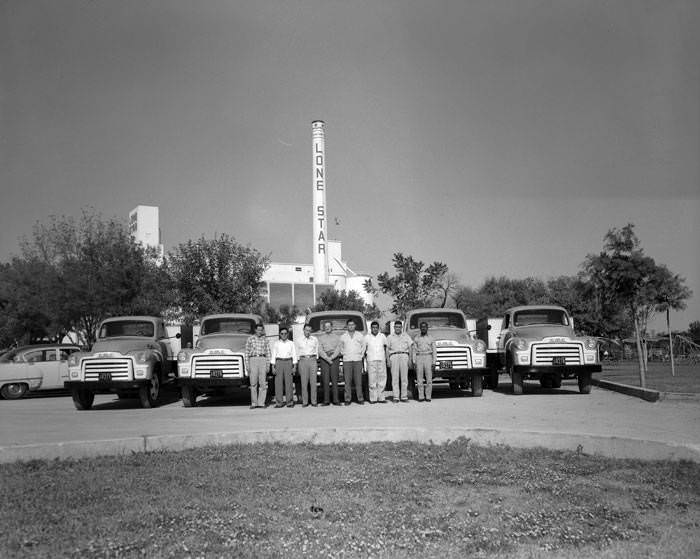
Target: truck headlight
{"points": [[480, 346], [519, 343], [73, 360], [591, 343], [182, 357], [141, 357]]}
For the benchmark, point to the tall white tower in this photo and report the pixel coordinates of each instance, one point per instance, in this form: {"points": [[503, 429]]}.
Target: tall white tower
{"points": [[320, 229]]}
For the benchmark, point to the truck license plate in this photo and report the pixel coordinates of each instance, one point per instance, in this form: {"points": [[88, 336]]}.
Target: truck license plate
{"points": [[558, 360], [104, 377], [445, 364], [216, 373]]}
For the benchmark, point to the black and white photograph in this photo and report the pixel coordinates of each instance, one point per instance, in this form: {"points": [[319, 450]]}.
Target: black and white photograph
{"points": [[350, 278]]}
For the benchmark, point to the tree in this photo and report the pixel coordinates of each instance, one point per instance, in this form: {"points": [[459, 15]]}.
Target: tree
{"points": [[332, 300], [694, 331], [413, 284], [216, 275], [76, 273], [622, 275]]}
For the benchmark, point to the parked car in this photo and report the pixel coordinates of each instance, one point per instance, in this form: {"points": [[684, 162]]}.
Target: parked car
{"points": [[34, 367]]}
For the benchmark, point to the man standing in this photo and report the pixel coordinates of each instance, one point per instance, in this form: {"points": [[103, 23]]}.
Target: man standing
{"points": [[424, 357], [257, 363], [398, 346], [284, 360], [329, 352], [307, 352], [352, 346], [375, 342]]}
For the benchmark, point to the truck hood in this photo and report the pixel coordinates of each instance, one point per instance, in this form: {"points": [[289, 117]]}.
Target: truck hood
{"points": [[234, 342], [455, 334], [124, 345], [539, 331]]}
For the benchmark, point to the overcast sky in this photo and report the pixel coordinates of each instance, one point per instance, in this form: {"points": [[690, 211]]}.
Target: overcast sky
{"points": [[502, 137]]}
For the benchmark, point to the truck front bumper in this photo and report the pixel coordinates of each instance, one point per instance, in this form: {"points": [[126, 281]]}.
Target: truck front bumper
{"points": [[213, 383], [107, 387], [459, 373], [539, 370]]}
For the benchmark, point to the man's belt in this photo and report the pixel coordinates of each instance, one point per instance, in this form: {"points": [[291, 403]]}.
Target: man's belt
{"points": [[307, 357], [258, 355], [424, 353], [399, 353], [284, 359]]}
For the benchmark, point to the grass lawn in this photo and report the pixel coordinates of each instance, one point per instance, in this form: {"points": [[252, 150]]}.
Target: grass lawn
{"points": [[373, 500], [687, 378]]}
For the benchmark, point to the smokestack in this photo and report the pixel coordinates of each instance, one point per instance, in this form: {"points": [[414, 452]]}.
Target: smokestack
{"points": [[320, 230]]}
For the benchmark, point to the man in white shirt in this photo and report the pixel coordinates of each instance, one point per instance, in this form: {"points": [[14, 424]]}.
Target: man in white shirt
{"points": [[398, 347], [284, 361], [352, 347], [375, 342], [307, 353]]}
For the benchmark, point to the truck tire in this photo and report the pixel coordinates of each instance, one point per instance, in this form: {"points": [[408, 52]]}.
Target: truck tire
{"points": [[477, 385], [584, 383], [556, 380], [82, 398], [189, 396], [546, 381], [14, 390], [149, 394]]}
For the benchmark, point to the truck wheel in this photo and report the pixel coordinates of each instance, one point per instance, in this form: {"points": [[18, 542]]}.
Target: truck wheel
{"points": [[477, 385], [82, 398], [14, 390], [546, 381], [454, 384], [584, 383], [556, 380], [189, 396], [517, 383], [150, 393]]}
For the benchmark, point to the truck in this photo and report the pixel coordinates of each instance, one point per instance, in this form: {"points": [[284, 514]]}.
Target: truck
{"points": [[132, 357], [216, 365], [538, 342], [461, 358]]}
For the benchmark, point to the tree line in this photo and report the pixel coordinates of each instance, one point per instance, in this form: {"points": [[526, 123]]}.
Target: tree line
{"points": [[75, 272]]}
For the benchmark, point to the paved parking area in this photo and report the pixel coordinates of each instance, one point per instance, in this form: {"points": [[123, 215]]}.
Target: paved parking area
{"points": [[603, 422]]}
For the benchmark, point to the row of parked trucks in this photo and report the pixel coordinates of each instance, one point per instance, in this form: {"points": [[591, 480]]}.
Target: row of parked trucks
{"points": [[133, 356]]}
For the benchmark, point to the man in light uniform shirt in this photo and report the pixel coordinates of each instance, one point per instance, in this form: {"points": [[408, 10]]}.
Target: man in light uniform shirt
{"points": [[352, 346], [424, 357], [376, 363], [307, 352], [329, 352], [398, 347], [284, 360]]}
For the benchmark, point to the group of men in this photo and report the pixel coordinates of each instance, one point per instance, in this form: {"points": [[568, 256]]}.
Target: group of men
{"points": [[397, 351]]}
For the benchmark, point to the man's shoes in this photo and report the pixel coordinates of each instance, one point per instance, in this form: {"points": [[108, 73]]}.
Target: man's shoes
{"points": [[290, 405], [382, 402], [315, 405], [428, 400], [325, 404], [404, 399], [421, 400], [253, 406], [279, 405], [305, 405], [347, 403], [362, 402], [337, 404]]}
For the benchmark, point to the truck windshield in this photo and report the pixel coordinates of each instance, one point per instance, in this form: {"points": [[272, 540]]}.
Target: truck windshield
{"points": [[540, 316], [437, 320], [227, 326], [339, 322], [140, 328]]}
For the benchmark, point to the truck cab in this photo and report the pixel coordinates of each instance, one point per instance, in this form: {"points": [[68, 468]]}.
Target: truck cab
{"points": [[461, 359], [131, 357], [216, 365], [538, 342]]}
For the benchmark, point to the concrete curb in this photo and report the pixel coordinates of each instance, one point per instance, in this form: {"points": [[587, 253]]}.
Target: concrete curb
{"points": [[636, 391], [613, 447]]}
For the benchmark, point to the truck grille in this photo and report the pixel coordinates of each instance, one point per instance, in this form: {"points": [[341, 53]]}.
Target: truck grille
{"points": [[119, 369], [543, 354], [459, 355], [231, 366]]}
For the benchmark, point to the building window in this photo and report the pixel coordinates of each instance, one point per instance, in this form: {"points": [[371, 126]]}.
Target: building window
{"points": [[297, 269]]}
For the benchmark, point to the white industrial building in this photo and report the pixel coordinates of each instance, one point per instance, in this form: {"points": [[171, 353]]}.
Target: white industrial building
{"points": [[145, 229]]}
